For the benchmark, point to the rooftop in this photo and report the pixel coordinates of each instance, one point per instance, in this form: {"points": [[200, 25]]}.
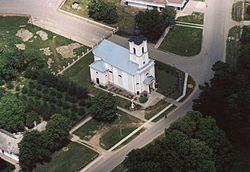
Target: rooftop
{"points": [[114, 55]]}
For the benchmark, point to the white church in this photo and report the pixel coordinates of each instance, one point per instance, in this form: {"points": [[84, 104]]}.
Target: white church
{"points": [[131, 70]]}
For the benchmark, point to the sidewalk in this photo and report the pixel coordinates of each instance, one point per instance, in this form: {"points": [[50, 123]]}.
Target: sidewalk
{"points": [[17, 167]]}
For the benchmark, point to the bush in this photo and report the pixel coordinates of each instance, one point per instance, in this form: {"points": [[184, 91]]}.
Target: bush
{"points": [[143, 98], [99, 10], [9, 85], [248, 10], [30, 118]]}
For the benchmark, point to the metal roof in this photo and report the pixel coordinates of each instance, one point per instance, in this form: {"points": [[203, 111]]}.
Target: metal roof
{"points": [[116, 56]]}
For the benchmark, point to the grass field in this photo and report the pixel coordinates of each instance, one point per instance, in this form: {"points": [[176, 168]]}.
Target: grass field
{"points": [[183, 41], [109, 131], [233, 46], [126, 14], [71, 160], [169, 80], [114, 135], [196, 18], [11, 25]]}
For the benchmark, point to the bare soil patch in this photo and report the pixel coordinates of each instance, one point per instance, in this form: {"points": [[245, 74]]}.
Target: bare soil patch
{"points": [[20, 46], [24, 34], [46, 51], [43, 35], [67, 51]]}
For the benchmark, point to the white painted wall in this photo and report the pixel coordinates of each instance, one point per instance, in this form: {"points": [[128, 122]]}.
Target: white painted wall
{"points": [[103, 77], [140, 57], [10, 155]]}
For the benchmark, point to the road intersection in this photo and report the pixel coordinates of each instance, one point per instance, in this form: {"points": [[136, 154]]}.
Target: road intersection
{"points": [[216, 26]]}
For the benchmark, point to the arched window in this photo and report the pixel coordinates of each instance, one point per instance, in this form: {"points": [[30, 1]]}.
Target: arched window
{"points": [[143, 50], [134, 51]]}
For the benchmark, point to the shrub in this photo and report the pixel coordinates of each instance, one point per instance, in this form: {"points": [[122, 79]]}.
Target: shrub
{"points": [[30, 118], [143, 98], [9, 85], [102, 11]]}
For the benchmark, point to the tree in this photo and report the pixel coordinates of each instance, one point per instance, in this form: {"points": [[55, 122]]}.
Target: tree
{"points": [[103, 107], [103, 11], [12, 113], [33, 149], [192, 143], [153, 23], [57, 131]]}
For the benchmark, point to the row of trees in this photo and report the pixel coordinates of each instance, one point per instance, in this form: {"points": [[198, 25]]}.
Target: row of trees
{"points": [[152, 23], [48, 100], [37, 147], [227, 97], [193, 143]]}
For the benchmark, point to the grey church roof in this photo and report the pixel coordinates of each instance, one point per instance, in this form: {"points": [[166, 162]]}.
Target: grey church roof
{"points": [[99, 65], [114, 55], [137, 39]]}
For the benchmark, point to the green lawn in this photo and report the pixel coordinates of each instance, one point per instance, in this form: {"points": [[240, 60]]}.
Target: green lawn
{"points": [[71, 160], [183, 41], [196, 18], [237, 11], [167, 80], [126, 14], [119, 168], [8, 29], [88, 130], [111, 137], [150, 112], [233, 46], [114, 135]]}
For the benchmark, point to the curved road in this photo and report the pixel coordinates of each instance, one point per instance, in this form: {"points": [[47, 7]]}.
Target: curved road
{"points": [[216, 25]]}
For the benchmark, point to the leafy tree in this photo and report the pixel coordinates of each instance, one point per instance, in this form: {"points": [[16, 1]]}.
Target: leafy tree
{"points": [[102, 11], [103, 106], [12, 113], [57, 131], [193, 143], [33, 149], [30, 118], [153, 23]]}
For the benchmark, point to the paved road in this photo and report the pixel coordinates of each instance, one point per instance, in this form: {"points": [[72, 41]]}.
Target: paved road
{"points": [[213, 48], [45, 14]]}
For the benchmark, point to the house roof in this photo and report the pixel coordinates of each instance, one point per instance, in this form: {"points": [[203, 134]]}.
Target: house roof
{"points": [[114, 55], [9, 142], [99, 65]]}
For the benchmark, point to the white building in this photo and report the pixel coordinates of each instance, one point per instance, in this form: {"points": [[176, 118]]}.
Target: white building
{"points": [[131, 70], [159, 4]]}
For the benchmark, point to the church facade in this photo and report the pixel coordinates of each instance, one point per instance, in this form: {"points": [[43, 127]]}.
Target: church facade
{"points": [[130, 69]]}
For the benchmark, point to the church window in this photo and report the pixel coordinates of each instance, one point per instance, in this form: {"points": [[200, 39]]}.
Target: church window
{"points": [[144, 62], [134, 51], [147, 74], [142, 49], [96, 72], [119, 75], [137, 83], [110, 71]]}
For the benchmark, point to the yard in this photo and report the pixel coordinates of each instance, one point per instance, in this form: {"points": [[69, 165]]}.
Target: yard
{"points": [[233, 46], [169, 80], [70, 159], [126, 14], [196, 18], [19, 35], [183, 41], [107, 135]]}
